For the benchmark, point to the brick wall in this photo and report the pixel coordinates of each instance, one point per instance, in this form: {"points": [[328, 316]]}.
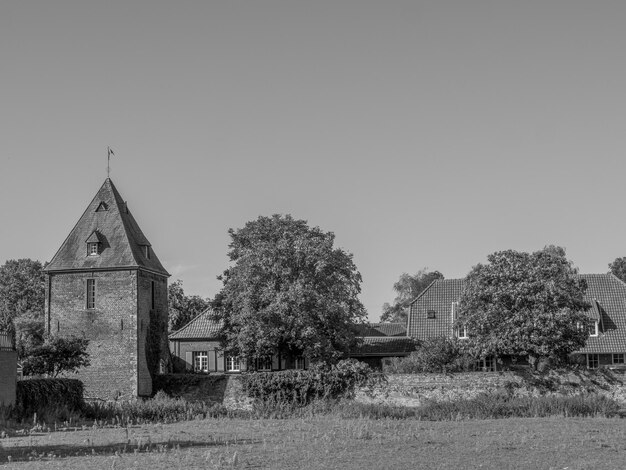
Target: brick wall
{"points": [[8, 377], [152, 344], [111, 328]]}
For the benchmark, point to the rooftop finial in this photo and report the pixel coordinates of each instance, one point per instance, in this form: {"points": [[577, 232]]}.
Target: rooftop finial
{"points": [[109, 153]]}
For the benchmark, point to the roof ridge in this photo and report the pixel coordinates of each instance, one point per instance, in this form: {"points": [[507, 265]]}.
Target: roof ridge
{"points": [[207, 310]]}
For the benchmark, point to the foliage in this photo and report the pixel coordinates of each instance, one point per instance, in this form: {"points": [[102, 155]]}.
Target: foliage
{"points": [[57, 355], [433, 355], [159, 409], [289, 290], [618, 268], [407, 288], [47, 397], [301, 387], [524, 304], [22, 293], [182, 308]]}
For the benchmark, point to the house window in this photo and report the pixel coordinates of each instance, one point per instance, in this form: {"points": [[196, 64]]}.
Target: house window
{"points": [[461, 332], [618, 358], [264, 364], [92, 249], [232, 364], [300, 363], [487, 364], [200, 361], [430, 314], [593, 360], [91, 294], [593, 329], [146, 251]]}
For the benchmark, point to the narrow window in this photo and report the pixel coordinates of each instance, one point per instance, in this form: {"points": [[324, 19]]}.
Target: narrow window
{"points": [[92, 249], [91, 294], [152, 295], [300, 363], [593, 361], [593, 329], [200, 361], [146, 251]]}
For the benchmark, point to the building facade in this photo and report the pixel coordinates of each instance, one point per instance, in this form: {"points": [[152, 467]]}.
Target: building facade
{"points": [[106, 284]]}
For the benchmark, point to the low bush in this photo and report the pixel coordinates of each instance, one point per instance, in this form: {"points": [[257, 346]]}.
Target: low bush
{"points": [[49, 399], [439, 355], [301, 387]]}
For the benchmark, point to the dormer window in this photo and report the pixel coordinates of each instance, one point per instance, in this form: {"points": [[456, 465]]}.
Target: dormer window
{"points": [[593, 329], [94, 244], [146, 251]]}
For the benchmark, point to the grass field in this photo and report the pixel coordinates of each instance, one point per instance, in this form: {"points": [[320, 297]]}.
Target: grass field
{"points": [[328, 442]]}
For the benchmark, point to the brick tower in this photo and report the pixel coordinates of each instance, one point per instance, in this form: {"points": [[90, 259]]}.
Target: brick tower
{"points": [[106, 284]]}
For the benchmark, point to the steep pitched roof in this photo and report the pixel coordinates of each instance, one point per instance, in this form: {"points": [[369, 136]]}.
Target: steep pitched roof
{"points": [[605, 293], [382, 329], [201, 327], [122, 241]]}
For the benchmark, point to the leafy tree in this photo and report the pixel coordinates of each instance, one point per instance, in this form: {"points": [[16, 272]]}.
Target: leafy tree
{"points": [[618, 268], [289, 289], [22, 293], [407, 288], [183, 308], [57, 355], [525, 304]]}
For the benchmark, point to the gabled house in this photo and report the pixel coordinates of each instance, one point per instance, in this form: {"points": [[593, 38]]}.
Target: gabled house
{"points": [[379, 341], [434, 312], [106, 284], [8, 370], [196, 348]]}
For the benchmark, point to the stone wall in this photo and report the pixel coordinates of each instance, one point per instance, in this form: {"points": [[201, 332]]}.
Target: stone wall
{"points": [[414, 389], [8, 377]]}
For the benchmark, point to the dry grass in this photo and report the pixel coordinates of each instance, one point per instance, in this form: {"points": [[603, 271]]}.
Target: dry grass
{"points": [[327, 442]]}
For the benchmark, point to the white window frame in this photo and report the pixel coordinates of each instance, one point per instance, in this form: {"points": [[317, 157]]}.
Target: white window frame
{"points": [[93, 249], [459, 332], [623, 359], [200, 361], [593, 361], [233, 364], [90, 303], [594, 333], [487, 364], [300, 363]]}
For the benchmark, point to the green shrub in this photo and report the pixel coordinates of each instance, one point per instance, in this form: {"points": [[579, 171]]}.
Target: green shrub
{"points": [[49, 399], [439, 355], [300, 387]]}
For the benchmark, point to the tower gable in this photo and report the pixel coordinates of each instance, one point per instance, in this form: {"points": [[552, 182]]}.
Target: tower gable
{"points": [[121, 241]]}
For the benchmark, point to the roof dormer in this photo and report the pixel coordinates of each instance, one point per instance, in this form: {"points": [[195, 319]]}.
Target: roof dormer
{"points": [[94, 244]]}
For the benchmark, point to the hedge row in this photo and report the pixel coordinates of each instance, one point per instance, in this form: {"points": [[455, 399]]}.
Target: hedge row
{"points": [[301, 387], [42, 395]]}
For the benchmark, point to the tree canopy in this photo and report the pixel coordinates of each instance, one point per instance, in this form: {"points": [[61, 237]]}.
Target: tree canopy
{"points": [[618, 268], [288, 289], [56, 356], [407, 288], [22, 294], [525, 304], [183, 308]]}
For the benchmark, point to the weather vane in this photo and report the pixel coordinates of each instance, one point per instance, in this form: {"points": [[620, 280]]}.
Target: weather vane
{"points": [[109, 153]]}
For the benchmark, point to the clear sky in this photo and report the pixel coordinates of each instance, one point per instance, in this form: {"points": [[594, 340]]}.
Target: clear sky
{"points": [[422, 133]]}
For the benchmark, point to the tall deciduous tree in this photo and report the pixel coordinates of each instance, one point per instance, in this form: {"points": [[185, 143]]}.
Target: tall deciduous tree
{"points": [[618, 268], [183, 308], [22, 293], [407, 288], [289, 289], [525, 304], [57, 355]]}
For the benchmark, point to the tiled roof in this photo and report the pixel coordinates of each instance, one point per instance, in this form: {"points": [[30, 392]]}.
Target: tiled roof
{"points": [[384, 346], [610, 294], [382, 329], [605, 293], [122, 241], [201, 327], [436, 299]]}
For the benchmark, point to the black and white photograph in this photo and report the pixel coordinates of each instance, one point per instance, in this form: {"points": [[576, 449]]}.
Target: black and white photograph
{"points": [[324, 234]]}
